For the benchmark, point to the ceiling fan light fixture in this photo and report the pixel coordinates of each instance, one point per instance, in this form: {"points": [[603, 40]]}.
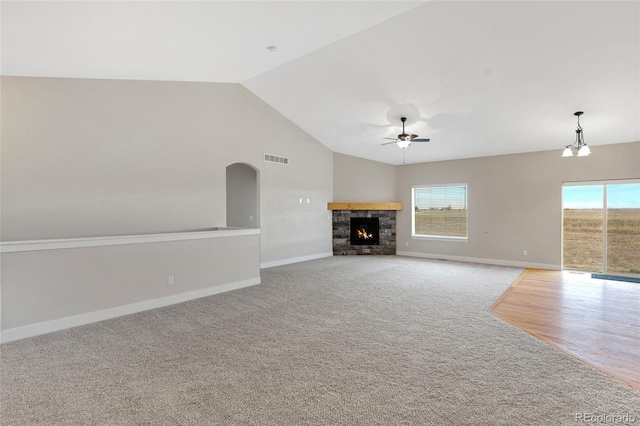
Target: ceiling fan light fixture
{"points": [[403, 140]]}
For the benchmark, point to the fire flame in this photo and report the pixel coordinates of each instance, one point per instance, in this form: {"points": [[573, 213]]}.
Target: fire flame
{"points": [[362, 233]]}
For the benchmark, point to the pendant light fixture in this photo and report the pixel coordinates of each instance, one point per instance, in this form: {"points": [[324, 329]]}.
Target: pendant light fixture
{"points": [[579, 144]]}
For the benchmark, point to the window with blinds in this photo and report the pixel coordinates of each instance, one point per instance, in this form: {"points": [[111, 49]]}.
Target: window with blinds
{"points": [[440, 211]]}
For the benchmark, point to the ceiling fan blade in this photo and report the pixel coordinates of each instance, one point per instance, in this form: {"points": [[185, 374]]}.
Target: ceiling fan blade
{"points": [[387, 143], [421, 140], [391, 139]]}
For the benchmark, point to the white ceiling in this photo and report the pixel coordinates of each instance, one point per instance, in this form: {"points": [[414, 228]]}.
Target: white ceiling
{"points": [[479, 78]]}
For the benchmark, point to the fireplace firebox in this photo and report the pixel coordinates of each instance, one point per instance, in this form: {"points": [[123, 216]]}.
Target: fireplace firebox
{"points": [[365, 231]]}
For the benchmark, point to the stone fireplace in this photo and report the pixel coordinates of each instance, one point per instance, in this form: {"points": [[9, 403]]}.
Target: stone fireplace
{"points": [[364, 228]]}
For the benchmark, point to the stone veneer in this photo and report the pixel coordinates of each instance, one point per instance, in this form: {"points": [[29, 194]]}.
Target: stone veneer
{"points": [[342, 236]]}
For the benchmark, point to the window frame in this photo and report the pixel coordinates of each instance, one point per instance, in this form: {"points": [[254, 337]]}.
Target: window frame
{"points": [[450, 238]]}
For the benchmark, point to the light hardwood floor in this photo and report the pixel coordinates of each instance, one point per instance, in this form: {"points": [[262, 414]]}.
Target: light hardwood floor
{"points": [[594, 320]]}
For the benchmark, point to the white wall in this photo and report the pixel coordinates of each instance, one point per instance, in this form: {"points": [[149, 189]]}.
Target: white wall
{"points": [[514, 201], [84, 158]]}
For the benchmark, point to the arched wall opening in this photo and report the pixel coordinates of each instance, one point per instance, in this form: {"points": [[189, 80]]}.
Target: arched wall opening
{"points": [[243, 203]]}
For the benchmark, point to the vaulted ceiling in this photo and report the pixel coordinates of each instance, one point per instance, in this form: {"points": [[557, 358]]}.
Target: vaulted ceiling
{"points": [[478, 78]]}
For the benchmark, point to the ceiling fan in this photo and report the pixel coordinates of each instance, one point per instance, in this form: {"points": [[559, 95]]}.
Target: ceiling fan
{"points": [[404, 139]]}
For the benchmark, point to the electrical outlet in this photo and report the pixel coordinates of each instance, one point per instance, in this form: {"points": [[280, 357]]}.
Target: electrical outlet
{"points": [[524, 252], [170, 280]]}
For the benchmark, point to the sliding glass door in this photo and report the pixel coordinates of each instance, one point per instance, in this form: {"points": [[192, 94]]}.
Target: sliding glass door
{"points": [[623, 228], [601, 227], [583, 225]]}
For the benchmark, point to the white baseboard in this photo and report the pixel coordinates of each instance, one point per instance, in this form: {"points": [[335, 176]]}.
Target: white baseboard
{"points": [[295, 260], [498, 262], [91, 317]]}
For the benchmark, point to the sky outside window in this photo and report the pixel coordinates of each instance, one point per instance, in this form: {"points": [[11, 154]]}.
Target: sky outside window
{"points": [[619, 196]]}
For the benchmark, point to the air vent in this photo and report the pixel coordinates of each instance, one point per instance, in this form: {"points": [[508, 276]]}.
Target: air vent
{"points": [[269, 158]]}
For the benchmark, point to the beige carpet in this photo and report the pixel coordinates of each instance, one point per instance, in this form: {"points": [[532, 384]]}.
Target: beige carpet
{"points": [[346, 340]]}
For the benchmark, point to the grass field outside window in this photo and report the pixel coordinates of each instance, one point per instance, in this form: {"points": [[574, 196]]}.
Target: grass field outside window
{"points": [[440, 211]]}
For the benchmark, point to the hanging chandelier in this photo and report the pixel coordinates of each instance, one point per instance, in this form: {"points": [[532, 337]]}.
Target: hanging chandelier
{"points": [[579, 145]]}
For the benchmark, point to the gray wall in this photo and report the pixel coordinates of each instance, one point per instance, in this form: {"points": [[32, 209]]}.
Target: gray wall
{"points": [[83, 158], [514, 201], [359, 180], [49, 285]]}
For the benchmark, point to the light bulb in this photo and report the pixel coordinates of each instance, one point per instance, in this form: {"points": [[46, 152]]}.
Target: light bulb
{"points": [[584, 151], [567, 152], [405, 143]]}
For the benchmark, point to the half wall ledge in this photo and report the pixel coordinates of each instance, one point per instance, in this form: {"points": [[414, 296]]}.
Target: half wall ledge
{"points": [[51, 285], [365, 206]]}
